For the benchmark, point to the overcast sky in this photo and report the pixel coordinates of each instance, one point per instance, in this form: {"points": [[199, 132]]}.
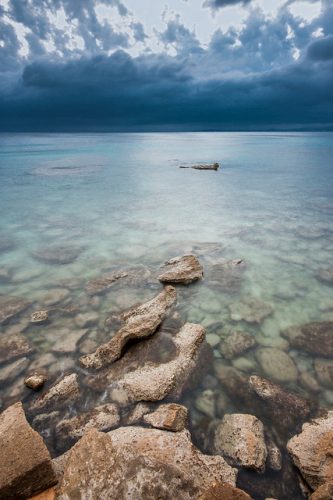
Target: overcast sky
{"points": [[166, 65]]}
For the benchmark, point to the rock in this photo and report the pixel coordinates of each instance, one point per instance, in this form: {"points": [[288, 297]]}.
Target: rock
{"points": [[57, 255], [35, 381], [60, 394], [240, 438], [54, 296], [137, 414], [11, 371], [226, 275], [324, 492], [39, 317], [274, 457], [170, 417], [205, 403], [250, 310], [309, 382], [67, 340], [44, 421], [139, 322], [11, 307], [13, 346], [48, 494], [325, 275], [235, 344], [224, 491], [5, 275], [85, 320], [244, 364], [312, 451], [102, 284], [25, 463], [314, 338], [286, 409], [102, 418], [324, 372], [277, 365], [213, 339], [208, 166], [185, 270], [134, 462]]}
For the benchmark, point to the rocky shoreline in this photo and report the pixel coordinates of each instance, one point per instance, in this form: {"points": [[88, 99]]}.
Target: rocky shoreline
{"points": [[132, 438]]}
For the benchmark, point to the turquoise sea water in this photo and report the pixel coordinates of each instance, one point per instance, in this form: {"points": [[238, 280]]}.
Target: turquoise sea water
{"points": [[121, 199]]}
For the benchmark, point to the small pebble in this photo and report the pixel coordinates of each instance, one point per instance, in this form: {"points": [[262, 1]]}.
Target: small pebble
{"points": [[35, 381], [39, 317]]}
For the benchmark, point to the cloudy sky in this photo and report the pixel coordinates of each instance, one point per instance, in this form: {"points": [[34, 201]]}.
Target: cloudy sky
{"points": [[166, 65]]}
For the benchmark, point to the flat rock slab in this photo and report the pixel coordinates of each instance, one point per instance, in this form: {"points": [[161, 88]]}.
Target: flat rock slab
{"points": [[203, 166], [25, 463], [184, 270], [13, 346], [312, 451], [11, 307], [65, 391], [240, 438], [314, 338], [102, 284], [139, 322], [134, 462], [57, 255], [170, 417]]}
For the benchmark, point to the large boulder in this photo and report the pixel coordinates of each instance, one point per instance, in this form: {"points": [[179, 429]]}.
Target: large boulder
{"points": [[13, 346], [25, 463], [314, 338], [11, 307], [312, 451], [134, 462], [240, 438], [60, 394], [185, 270], [139, 322]]}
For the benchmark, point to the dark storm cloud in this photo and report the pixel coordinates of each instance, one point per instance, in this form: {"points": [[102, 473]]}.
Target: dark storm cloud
{"points": [[321, 50], [180, 37], [218, 4]]}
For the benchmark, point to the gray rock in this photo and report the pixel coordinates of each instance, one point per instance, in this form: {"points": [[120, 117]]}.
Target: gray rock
{"points": [[170, 417], [13, 346], [184, 269], [235, 344], [62, 393], [57, 255], [104, 283], [250, 310], [54, 296], [13, 370], [309, 382], [11, 307], [277, 365], [274, 457], [205, 403], [314, 338]]}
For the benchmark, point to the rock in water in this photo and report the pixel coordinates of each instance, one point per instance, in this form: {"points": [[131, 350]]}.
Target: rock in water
{"points": [[39, 317], [240, 438], [35, 381], [11, 371], [185, 270], [25, 463], [13, 346], [312, 451], [325, 275], [60, 394], [250, 310], [277, 365], [314, 338], [101, 285], [170, 417], [236, 343], [11, 307], [57, 255], [134, 463], [139, 323]]}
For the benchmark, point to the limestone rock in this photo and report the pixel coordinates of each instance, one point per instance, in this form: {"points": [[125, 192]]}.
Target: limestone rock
{"points": [[39, 317], [13, 346], [102, 284], [324, 492], [170, 417], [240, 438], [312, 451], [224, 491], [57, 254], [185, 270], [35, 381], [137, 413], [139, 322], [60, 394], [11, 371], [235, 344], [11, 307], [25, 463], [250, 310], [314, 338], [277, 364], [274, 457]]}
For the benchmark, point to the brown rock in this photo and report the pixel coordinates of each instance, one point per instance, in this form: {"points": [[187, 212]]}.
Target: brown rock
{"points": [[224, 491], [11, 307], [235, 344], [274, 457], [60, 394], [139, 322], [35, 380], [13, 346], [170, 417], [48, 494], [185, 270], [39, 317], [104, 283], [314, 338], [324, 492], [25, 463], [324, 372]]}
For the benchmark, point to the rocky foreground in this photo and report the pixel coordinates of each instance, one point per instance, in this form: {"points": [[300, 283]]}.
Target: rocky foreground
{"points": [[136, 442]]}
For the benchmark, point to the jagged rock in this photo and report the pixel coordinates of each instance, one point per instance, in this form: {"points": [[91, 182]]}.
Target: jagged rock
{"points": [[85, 320], [139, 322], [324, 372], [277, 365], [11, 307], [102, 284], [324, 492], [284, 408], [240, 438], [208, 166], [235, 344], [134, 462], [312, 451], [137, 413], [13, 346], [11, 371], [39, 317], [224, 491], [250, 310], [66, 340], [185, 270], [314, 338], [101, 418], [25, 463], [170, 417], [60, 394], [57, 255], [35, 381], [226, 275], [325, 275]]}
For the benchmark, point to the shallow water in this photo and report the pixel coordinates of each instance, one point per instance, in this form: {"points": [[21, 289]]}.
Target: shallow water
{"points": [[121, 200]]}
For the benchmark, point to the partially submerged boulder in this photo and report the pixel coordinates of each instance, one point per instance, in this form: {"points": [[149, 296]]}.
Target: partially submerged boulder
{"points": [[25, 463], [184, 269], [170, 417], [315, 338], [102, 284], [139, 322], [13, 346], [11, 307], [61, 393]]}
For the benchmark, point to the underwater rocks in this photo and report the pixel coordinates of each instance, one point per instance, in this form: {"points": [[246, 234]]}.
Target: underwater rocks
{"points": [[60, 394], [35, 381], [11, 371], [170, 417], [250, 310], [66, 339], [314, 338], [184, 270], [13, 346], [240, 439], [325, 276], [204, 166], [39, 317], [11, 307], [236, 344], [134, 462], [312, 451], [324, 372], [276, 364], [6, 244], [139, 322], [25, 463], [226, 275], [57, 255], [102, 284], [86, 320], [54, 296]]}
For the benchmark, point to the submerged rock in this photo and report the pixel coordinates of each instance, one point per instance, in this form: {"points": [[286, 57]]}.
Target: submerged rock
{"points": [[39, 317], [324, 372], [240, 438], [13, 346], [66, 340], [325, 275], [185, 270], [206, 404], [11, 307], [102, 284], [226, 275], [170, 417], [54, 296], [11, 371], [35, 381], [235, 344], [274, 456], [250, 310], [314, 338], [57, 255], [203, 166], [5, 275], [312, 451], [134, 462], [139, 322], [88, 319], [61, 393], [25, 463], [277, 365]]}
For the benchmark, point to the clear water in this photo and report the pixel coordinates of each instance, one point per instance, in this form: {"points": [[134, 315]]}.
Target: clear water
{"points": [[122, 200]]}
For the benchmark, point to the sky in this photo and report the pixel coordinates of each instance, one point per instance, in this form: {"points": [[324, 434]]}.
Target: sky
{"points": [[160, 65]]}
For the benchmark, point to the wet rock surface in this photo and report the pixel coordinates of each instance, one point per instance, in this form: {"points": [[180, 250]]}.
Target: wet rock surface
{"points": [[314, 338], [184, 270], [236, 344], [63, 392], [11, 307], [170, 417], [250, 310]]}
